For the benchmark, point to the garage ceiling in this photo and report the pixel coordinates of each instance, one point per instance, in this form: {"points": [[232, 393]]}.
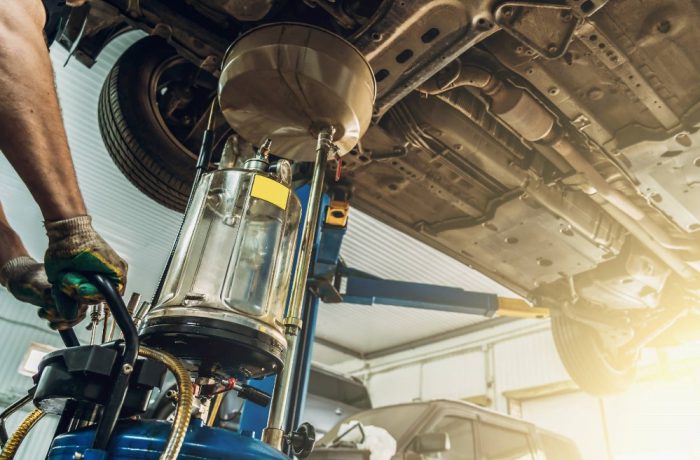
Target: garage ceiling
{"points": [[143, 231]]}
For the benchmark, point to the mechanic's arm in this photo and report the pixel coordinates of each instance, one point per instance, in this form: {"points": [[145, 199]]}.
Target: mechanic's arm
{"points": [[11, 246], [26, 279], [33, 138]]}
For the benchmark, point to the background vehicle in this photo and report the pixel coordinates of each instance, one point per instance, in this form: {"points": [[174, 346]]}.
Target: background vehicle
{"points": [[451, 430], [550, 145]]}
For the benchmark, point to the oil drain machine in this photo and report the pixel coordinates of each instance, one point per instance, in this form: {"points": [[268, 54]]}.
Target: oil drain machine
{"points": [[224, 312]]}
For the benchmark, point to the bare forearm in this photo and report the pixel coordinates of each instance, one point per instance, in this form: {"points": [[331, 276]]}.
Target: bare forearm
{"points": [[11, 245], [32, 135]]}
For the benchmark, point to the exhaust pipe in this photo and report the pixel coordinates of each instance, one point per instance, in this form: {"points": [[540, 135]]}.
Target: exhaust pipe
{"points": [[525, 115]]}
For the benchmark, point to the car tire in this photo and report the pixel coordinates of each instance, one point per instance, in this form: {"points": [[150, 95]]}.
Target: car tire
{"points": [[134, 131], [595, 369]]}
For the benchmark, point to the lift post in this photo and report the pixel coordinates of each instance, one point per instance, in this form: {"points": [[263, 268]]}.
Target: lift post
{"points": [[331, 281]]}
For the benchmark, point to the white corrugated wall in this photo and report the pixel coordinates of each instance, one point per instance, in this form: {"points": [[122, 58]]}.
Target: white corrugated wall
{"points": [[488, 363], [527, 361]]}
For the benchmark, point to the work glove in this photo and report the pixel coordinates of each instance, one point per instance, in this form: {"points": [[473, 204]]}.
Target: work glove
{"points": [[26, 279], [76, 250]]}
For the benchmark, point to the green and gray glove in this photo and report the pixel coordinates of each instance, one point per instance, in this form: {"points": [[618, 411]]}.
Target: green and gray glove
{"points": [[76, 250], [26, 279]]}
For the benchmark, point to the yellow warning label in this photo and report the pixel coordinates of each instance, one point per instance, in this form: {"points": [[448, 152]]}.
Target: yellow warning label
{"points": [[270, 191]]}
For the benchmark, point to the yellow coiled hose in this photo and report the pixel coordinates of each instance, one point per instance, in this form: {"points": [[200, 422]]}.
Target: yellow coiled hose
{"points": [[8, 453], [184, 404], [180, 424]]}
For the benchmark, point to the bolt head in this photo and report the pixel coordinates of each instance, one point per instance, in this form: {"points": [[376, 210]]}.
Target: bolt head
{"points": [[127, 369]]}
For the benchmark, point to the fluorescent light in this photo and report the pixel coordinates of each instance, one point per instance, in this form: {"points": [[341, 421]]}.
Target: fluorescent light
{"points": [[33, 356]]}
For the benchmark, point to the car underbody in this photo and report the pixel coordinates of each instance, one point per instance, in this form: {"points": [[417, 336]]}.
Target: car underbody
{"points": [[553, 146]]}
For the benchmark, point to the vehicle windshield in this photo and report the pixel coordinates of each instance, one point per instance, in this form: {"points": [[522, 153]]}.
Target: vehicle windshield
{"points": [[395, 419]]}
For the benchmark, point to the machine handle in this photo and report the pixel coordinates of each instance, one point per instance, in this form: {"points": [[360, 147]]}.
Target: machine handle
{"points": [[69, 338], [118, 309], [254, 395], [120, 313], [303, 440], [111, 412]]}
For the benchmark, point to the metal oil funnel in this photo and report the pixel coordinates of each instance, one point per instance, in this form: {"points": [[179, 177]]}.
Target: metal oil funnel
{"points": [[289, 81]]}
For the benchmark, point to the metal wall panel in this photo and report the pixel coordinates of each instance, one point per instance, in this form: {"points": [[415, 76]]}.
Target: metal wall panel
{"points": [[454, 377], [371, 328], [527, 361], [575, 415], [509, 360], [383, 251], [398, 386]]}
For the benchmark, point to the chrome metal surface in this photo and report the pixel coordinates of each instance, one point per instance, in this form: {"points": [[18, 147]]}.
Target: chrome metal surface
{"points": [[214, 251], [323, 148], [254, 324], [279, 409], [233, 260], [280, 403], [297, 79]]}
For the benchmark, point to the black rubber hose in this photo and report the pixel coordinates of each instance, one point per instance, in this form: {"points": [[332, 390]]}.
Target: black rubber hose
{"points": [[203, 161], [131, 349], [69, 338]]}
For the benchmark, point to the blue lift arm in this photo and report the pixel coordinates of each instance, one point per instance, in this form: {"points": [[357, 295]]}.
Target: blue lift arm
{"points": [[333, 282], [357, 287]]}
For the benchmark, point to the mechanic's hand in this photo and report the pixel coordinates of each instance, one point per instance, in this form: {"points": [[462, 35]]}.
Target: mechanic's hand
{"points": [[76, 250], [26, 279]]}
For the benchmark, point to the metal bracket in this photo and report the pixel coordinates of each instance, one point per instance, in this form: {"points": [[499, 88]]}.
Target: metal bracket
{"points": [[526, 22], [587, 7], [615, 59], [337, 215]]}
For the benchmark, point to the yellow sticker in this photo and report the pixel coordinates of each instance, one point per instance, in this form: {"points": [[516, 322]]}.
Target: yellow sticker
{"points": [[270, 191]]}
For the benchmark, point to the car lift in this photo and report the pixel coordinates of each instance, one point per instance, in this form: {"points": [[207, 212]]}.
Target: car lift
{"points": [[334, 282], [331, 281]]}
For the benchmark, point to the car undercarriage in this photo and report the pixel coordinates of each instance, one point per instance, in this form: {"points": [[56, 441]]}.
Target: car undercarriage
{"points": [[550, 145]]}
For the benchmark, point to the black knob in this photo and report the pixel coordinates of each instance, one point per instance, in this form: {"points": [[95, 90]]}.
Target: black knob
{"points": [[303, 440]]}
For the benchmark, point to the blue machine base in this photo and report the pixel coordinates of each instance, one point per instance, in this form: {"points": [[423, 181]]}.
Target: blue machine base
{"points": [[146, 440]]}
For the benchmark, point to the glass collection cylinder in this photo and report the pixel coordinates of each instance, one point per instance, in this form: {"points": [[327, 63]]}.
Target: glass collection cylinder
{"points": [[234, 258]]}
